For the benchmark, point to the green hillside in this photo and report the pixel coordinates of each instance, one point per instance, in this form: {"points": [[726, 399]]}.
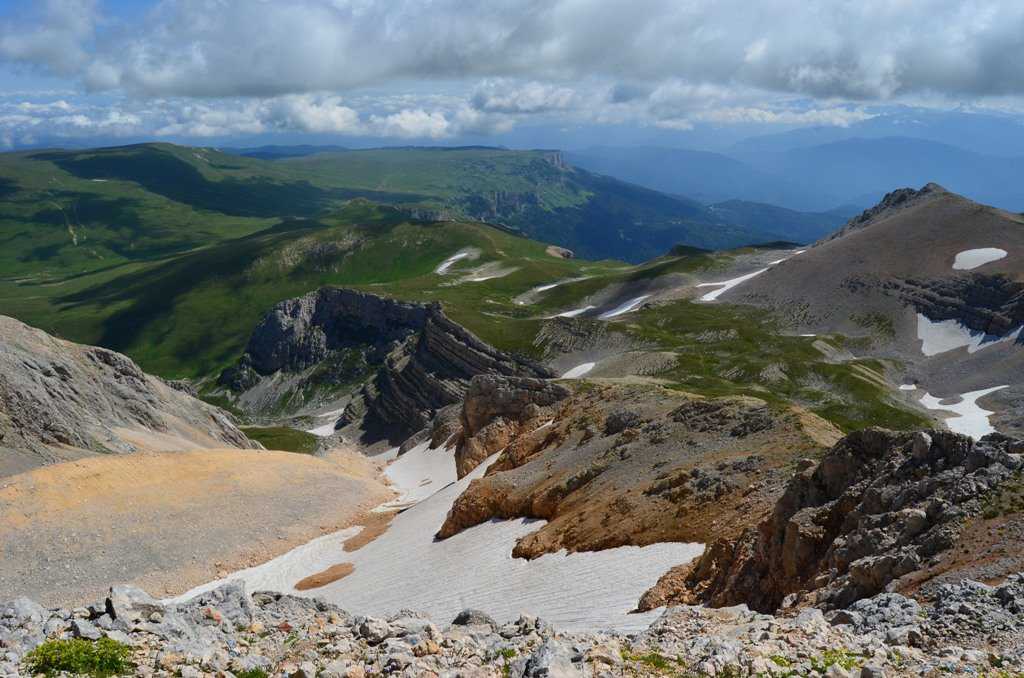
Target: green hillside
{"points": [[172, 255], [532, 192]]}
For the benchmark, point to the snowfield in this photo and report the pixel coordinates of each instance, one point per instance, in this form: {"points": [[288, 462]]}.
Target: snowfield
{"points": [[450, 261], [578, 371], [947, 335], [727, 285], [406, 568], [971, 419], [625, 307], [573, 313], [968, 260]]}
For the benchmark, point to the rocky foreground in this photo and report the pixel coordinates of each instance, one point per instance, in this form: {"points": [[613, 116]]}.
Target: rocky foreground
{"points": [[968, 629]]}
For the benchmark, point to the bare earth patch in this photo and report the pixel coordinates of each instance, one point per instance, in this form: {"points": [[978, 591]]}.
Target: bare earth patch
{"points": [[374, 525], [169, 521], [328, 576]]}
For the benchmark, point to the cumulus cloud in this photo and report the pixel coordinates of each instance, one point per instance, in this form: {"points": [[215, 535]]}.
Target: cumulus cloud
{"points": [[435, 69], [53, 34], [874, 49]]}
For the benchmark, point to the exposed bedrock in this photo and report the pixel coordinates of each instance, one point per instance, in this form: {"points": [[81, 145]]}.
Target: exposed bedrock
{"points": [[62, 401], [496, 410], [878, 506], [416, 360], [993, 304], [616, 465]]}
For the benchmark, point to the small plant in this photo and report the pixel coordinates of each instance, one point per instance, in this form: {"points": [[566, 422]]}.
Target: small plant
{"points": [[251, 673], [105, 657], [842, 658], [779, 660]]}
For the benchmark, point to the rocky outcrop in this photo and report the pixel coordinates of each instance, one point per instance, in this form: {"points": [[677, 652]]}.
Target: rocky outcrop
{"points": [[984, 303], [61, 401], [892, 202], [496, 410], [616, 465], [413, 360], [877, 507], [971, 629]]}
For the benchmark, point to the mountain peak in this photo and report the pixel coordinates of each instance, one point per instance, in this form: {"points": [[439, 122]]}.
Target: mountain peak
{"points": [[891, 202]]}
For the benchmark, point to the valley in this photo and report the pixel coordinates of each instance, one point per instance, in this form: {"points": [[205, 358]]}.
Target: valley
{"points": [[462, 410]]}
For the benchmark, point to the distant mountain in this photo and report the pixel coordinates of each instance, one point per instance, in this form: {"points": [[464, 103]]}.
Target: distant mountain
{"points": [[862, 170], [701, 175], [975, 132], [927, 278], [799, 227], [278, 152]]}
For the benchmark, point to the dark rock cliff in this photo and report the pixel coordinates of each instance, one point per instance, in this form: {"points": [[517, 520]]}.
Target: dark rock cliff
{"points": [[877, 507], [419, 360]]}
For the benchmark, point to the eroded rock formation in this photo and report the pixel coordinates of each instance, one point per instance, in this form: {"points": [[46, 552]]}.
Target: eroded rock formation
{"points": [[61, 401], [412, 359], [877, 507]]}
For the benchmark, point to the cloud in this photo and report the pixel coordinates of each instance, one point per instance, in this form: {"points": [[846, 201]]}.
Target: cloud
{"points": [[52, 34], [873, 49], [507, 96]]}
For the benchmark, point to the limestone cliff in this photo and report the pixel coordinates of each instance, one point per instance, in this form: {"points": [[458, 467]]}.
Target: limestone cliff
{"points": [[62, 401], [879, 506], [404, 361]]}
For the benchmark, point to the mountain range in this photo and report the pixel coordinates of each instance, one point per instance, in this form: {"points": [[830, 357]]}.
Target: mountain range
{"points": [[718, 435]]}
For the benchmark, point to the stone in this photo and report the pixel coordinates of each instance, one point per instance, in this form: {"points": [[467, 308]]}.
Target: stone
{"points": [[471, 617], [551, 660], [81, 628], [131, 604], [375, 631]]}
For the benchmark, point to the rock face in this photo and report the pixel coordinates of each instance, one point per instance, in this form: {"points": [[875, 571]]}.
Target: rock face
{"points": [[877, 507], [412, 359], [616, 465], [62, 401], [985, 303], [498, 409]]}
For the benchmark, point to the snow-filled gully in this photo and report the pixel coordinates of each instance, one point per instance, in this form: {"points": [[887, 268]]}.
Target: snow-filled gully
{"points": [[727, 285], [406, 568]]}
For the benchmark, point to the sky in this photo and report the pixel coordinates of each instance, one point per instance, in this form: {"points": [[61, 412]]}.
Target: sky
{"points": [[515, 72]]}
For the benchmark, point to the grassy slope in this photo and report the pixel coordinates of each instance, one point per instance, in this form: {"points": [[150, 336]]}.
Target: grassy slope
{"points": [[177, 258]]}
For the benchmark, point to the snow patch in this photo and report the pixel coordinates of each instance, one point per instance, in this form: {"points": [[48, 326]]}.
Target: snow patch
{"points": [[323, 431], [908, 387], [971, 419], [573, 313], [406, 568], [625, 307], [578, 371], [969, 260], [947, 335], [727, 285], [419, 473], [450, 261]]}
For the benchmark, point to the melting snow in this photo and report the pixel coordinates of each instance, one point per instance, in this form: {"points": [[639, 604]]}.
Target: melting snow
{"points": [[323, 431], [578, 371], [573, 313], [419, 473], [447, 263], [908, 387], [729, 284], [947, 335], [406, 568], [625, 307], [970, 418], [971, 259]]}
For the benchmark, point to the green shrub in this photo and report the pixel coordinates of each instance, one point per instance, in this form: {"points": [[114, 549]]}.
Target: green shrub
{"points": [[105, 657], [251, 673]]}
